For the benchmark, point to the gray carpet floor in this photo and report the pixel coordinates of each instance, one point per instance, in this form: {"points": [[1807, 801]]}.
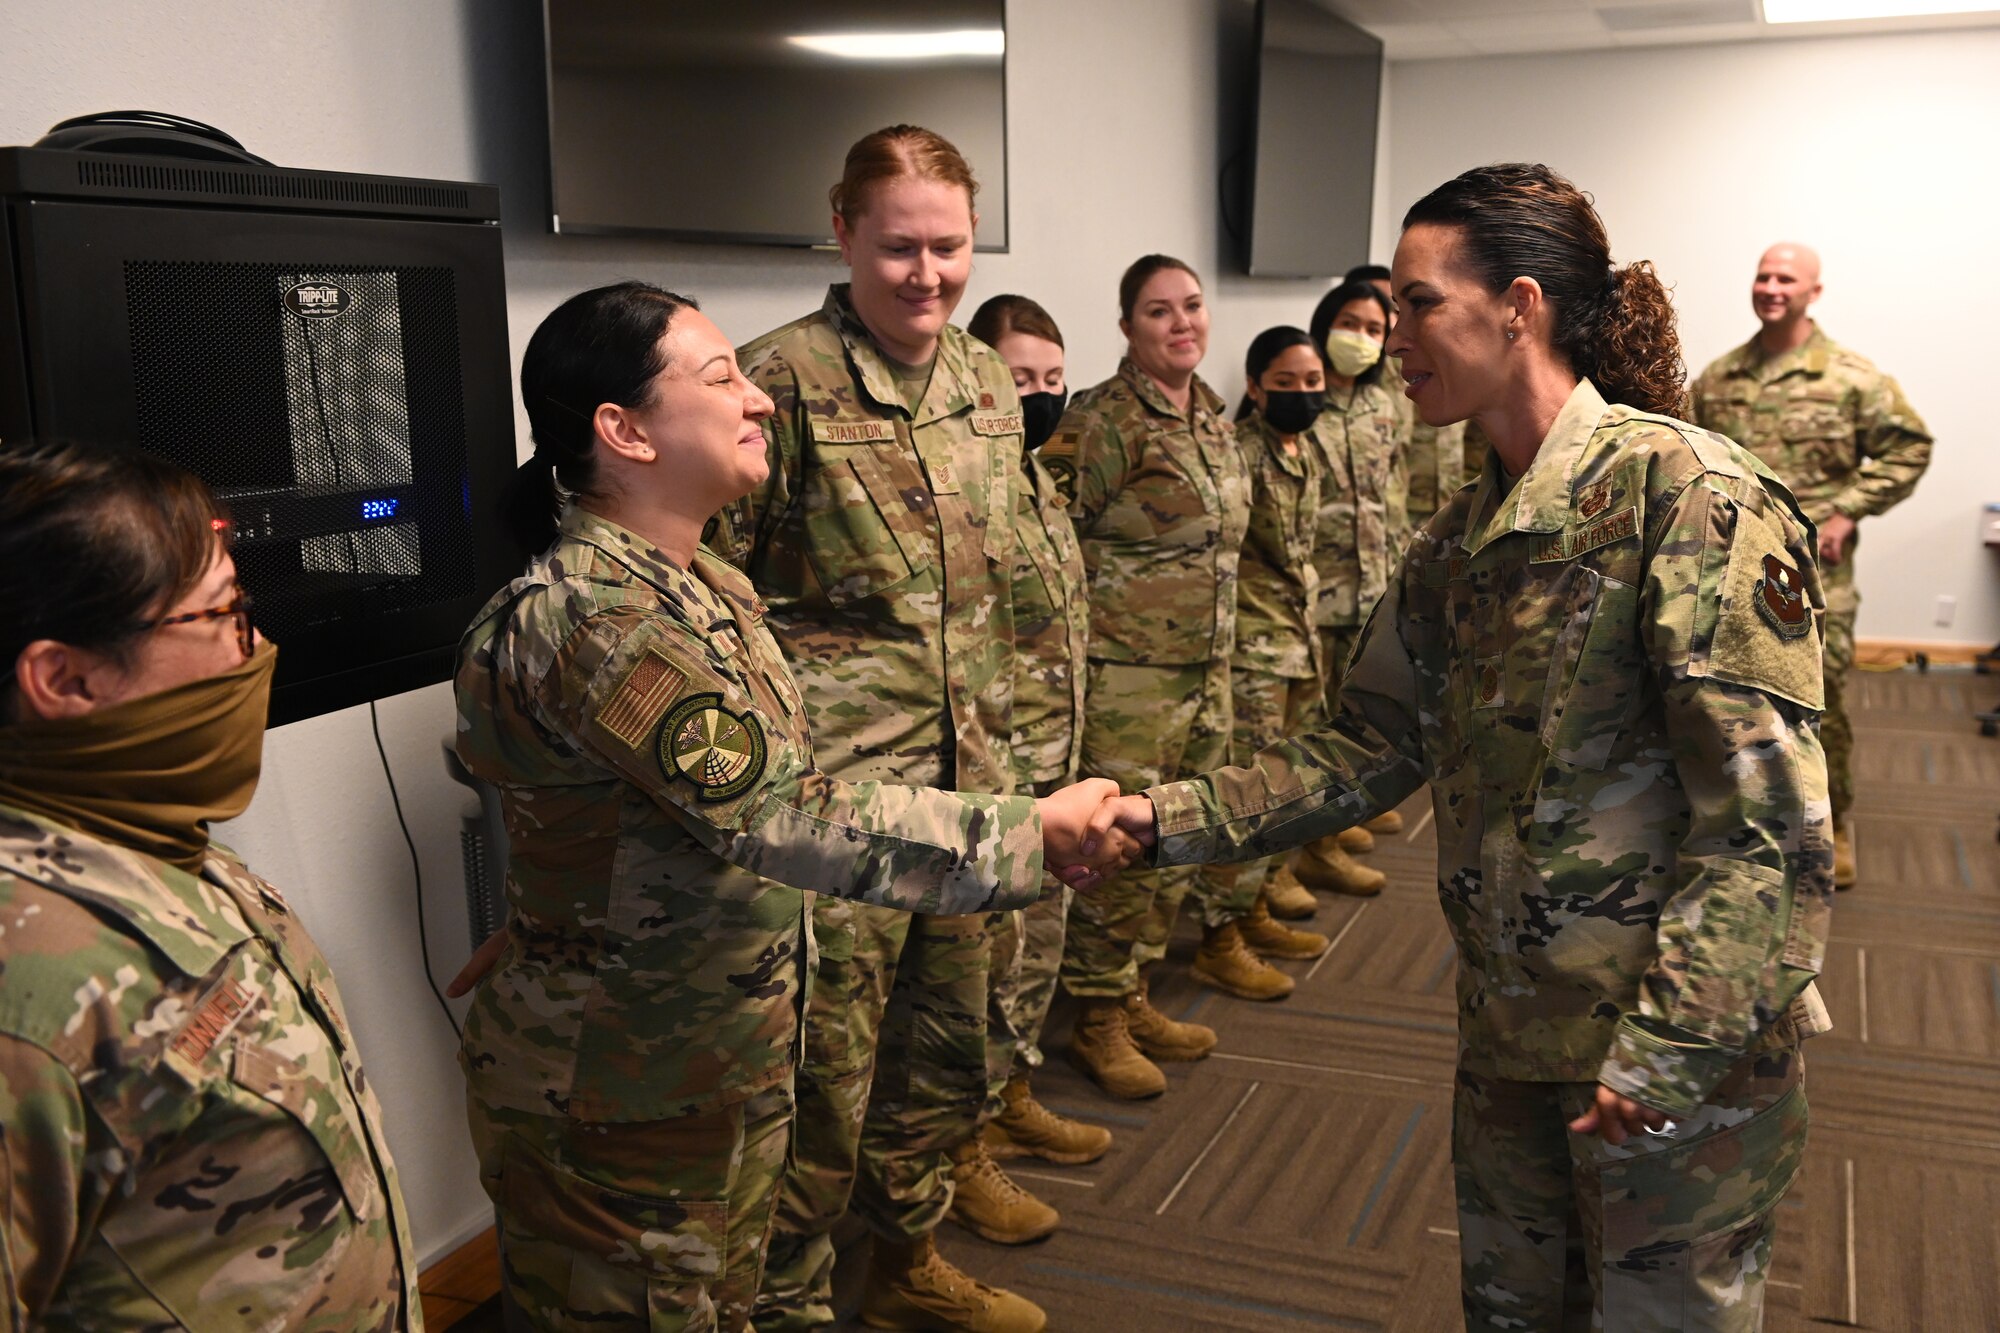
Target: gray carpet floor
{"points": [[1299, 1178]]}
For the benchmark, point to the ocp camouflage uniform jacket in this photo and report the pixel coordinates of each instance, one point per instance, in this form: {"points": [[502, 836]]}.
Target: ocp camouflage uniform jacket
{"points": [[885, 546], [1277, 586], [1161, 500], [1835, 429], [1364, 520], [1051, 634], [1435, 455], [187, 1140], [1611, 678], [657, 769]]}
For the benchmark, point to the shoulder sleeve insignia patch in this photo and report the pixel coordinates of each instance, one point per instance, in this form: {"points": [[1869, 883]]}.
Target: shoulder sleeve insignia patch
{"points": [[720, 752], [1062, 471], [650, 684], [1777, 649], [1781, 599]]}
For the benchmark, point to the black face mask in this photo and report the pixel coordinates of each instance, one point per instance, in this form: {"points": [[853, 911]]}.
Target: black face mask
{"points": [[1291, 411], [1039, 414]]}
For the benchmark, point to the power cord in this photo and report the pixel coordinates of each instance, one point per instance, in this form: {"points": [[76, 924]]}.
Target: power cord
{"points": [[416, 868]]}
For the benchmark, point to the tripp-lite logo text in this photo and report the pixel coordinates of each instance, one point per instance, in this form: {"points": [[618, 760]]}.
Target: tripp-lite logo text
{"points": [[316, 300]]}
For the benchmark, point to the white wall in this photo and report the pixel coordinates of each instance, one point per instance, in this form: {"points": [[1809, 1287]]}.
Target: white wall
{"points": [[1113, 134], [1877, 150]]}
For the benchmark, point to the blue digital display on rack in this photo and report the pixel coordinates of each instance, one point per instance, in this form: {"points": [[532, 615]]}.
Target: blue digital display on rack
{"points": [[378, 509]]}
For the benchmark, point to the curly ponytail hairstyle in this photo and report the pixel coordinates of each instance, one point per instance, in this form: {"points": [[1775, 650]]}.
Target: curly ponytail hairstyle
{"points": [[1614, 326]]}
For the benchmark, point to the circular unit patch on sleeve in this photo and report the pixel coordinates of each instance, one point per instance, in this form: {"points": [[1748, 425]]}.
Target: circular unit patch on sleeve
{"points": [[719, 751]]}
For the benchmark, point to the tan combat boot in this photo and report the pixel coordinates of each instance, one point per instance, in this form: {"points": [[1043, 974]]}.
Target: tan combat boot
{"points": [[1326, 866], [1161, 1037], [1288, 898], [986, 1203], [1845, 871], [1273, 939], [1102, 1047], [1388, 824], [1226, 963], [912, 1287], [1356, 839], [1026, 1128]]}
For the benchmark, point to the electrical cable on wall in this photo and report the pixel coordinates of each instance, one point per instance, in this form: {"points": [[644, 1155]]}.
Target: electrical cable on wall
{"points": [[416, 868]]}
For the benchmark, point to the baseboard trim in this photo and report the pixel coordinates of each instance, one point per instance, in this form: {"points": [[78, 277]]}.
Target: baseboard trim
{"points": [[460, 1282], [1938, 652]]}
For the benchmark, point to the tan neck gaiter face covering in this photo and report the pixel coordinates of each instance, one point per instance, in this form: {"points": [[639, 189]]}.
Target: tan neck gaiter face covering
{"points": [[150, 773]]}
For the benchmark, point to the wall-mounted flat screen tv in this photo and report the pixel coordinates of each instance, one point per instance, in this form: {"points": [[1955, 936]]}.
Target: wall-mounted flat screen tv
{"points": [[728, 121], [1319, 88]]}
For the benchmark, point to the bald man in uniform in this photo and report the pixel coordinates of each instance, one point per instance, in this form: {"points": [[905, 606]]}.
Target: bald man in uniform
{"points": [[1840, 434]]}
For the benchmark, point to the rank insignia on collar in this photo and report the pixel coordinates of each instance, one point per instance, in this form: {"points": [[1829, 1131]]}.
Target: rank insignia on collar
{"points": [[1593, 499], [1781, 599], [720, 752], [986, 403]]}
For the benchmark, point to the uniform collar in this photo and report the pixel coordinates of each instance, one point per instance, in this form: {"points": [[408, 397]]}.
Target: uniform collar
{"points": [[1153, 396], [1811, 356], [1260, 430], [954, 385], [179, 914], [650, 564], [645, 560], [1540, 500], [1358, 400]]}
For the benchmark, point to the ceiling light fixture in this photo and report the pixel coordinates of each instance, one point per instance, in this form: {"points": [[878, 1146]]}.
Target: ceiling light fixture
{"points": [[904, 45], [1827, 11]]}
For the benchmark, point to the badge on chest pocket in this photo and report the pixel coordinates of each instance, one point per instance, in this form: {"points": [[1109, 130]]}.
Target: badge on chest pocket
{"points": [[1489, 682]]}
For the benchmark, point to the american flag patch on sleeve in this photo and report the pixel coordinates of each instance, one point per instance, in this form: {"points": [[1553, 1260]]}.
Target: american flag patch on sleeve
{"points": [[641, 699]]}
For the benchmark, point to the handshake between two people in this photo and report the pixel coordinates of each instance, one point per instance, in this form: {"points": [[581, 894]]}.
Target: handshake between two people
{"points": [[1090, 832]]}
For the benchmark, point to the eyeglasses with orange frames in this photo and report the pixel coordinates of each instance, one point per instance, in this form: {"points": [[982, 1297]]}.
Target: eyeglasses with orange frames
{"points": [[236, 608]]}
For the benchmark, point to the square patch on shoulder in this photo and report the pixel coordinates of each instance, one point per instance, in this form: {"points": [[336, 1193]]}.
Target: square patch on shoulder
{"points": [[649, 686]]}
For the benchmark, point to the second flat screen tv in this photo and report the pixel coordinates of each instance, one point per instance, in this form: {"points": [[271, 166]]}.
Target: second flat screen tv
{"points": [[727, 122], [1319, 80]]}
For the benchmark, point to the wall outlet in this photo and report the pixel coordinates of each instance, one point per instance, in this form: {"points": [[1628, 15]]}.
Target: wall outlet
{"points": [[1947, 607]]}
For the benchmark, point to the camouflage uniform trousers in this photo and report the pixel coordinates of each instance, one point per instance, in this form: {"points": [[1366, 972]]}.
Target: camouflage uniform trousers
{"points": [[1836, 733], [651, 1224], [1268, 708], [894, 1078], [1027, 948], [1562, 1231], [1142, 725]]}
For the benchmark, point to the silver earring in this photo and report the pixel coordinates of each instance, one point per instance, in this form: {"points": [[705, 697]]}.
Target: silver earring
{"points": [[1510, 335]]}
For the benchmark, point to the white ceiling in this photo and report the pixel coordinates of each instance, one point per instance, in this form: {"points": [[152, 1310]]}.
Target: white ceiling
{"points": [[1432, 29]]}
